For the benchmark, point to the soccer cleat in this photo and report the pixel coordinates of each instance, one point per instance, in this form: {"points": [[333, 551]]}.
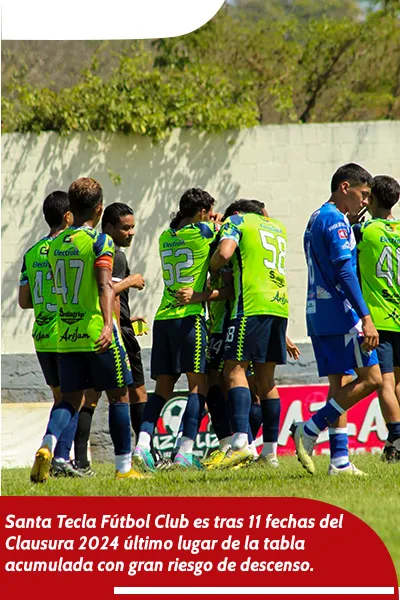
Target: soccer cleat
{"points": [[183, 460], [87, 471], [131, 474], [143, 459], [304, 447], [64, 468], [349, 470], [234, 458], [268, 461], [214, 459], [390, 454], [41, 466]]}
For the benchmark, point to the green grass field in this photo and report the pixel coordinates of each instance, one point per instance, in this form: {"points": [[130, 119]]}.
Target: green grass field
{"points": [[375, 499]]}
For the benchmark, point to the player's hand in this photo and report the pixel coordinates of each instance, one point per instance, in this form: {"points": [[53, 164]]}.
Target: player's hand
{"points": [[143, 320], [292, 349], [216, 217], [359, 217], [105, 339], [184, 296], [371, 336], [136, 281]]}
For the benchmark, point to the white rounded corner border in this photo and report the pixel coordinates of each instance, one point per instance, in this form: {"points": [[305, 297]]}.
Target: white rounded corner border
{"points": [[108, 20]]}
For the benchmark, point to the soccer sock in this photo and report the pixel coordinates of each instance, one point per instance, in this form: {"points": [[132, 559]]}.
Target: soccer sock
{"points": [[120, 427], [123, 462], [194, 409], [64, 443], [218, 410], [239, 440], [323, 418], [339, 447], [255, 418], [269, 448], [225, 443], [82, 436], [144, 440], [60, 416], [271, 412], [239, 399], [151, 413], [250, 435], [186, 446], [394, 434], [137, 412]]}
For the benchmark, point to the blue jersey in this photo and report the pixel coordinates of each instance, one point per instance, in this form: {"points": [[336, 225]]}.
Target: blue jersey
{"points": [[328, 239]]}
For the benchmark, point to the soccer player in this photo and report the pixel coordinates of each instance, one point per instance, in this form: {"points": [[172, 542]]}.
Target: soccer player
{"points": [[343, 335], [378, 246], [256, 245], [36, 291], [91, 353], [179, 332]]}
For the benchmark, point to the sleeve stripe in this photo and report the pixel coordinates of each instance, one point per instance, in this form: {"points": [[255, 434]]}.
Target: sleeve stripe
{"points": [[106, 262]]}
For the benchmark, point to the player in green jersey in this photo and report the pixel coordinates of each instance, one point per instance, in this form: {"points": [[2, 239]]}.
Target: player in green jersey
{"points": [[91, 353], [378, 246], [256, 245], [179, 332]]}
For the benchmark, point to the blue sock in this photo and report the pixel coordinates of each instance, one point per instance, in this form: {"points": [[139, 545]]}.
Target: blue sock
{"points": [[192, 414], [271, 412], [239, 399], [339, 447], [255, 418], [324, 417], [218, 409], [250, 435], [393, 432], [64, 443], [120, 427], [151, 414], [60, 416]]}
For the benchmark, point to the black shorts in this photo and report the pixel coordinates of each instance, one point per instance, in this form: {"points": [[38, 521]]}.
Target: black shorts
{"points": [[134, 354], [215, 351], [388, 350], [260, 339], [107, 371], [49, 363], [179, 346]]}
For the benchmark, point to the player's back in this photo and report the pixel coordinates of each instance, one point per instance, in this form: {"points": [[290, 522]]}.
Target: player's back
{"points": [[72, 258], [258, 265], [379, 267], [36, 273], [328, 239], [185, 256]]}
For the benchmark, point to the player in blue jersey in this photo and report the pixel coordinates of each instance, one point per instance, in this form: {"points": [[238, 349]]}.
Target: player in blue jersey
{"points": [[343, 335]]}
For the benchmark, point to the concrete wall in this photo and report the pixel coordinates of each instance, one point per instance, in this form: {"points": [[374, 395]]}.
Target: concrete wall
{"points": [[288, 167]]}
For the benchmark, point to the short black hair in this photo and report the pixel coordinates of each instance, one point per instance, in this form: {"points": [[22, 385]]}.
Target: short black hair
{"points": [[55, 206], [353, 173], [245, 206], [190, 203], [85, 194], [113, 213], [386, 190]]}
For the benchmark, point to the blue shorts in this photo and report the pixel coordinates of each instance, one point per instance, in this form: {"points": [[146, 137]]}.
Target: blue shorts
{"points": [[341, 354], [107, 371], [179, 346], [388, 350], [49, 362], [260, 339]]}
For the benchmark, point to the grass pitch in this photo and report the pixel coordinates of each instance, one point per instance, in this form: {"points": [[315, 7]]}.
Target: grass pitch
{"points": [[375, 499]]}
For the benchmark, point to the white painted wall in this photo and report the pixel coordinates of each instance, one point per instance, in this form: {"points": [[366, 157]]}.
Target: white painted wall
{"points": [[289, 167]]}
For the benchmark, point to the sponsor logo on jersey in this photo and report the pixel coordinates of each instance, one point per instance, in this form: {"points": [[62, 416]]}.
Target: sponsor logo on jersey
{"points": [[73, 336], [390, 227], [44, 250], [390, 240], [44, 319], [394, 315], [71, 317], [395, 297], [343, 234], [67, 239], [311, 307], [38, 336], [178, 242], [278, 280], [345, 246], [280, 299], [71, 252], [322, 293], [336, 226], [40, 265]]}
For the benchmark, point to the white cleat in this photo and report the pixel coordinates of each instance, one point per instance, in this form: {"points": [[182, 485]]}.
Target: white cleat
{"points": [[350, 470], [268, 461], [304, 447]]}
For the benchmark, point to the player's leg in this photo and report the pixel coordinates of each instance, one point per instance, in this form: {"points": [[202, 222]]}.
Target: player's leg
{"points": [[137, 391], [387, 351], [339, 354], [191, 419], [83, 429], [271, 410], [218, 408]]}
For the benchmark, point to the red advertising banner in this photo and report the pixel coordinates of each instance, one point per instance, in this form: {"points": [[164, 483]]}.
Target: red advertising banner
{"points": [[366, 426], [77, 547]]}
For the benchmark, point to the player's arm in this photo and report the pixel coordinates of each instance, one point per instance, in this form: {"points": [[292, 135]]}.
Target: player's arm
{"points": [[25, 296], [292, 349], [132, 281], [103, 269], [189, 296], [223, 254]]}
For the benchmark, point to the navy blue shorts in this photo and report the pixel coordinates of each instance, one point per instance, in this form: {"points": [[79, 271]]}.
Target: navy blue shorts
{"points": [[260, 339], [388, 350], [179, 346], [215, 351], [341, 354], [107, 371], [49, 363]]}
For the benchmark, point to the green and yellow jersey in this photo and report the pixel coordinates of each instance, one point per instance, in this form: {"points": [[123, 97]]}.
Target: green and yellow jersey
{"points": [[185, 256], [379, 267], [258, 265], [36, 273], [219, 310], [73, 256]]}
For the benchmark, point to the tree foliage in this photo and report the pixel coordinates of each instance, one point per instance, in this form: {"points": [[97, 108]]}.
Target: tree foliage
{"points": [[255, 62]]}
